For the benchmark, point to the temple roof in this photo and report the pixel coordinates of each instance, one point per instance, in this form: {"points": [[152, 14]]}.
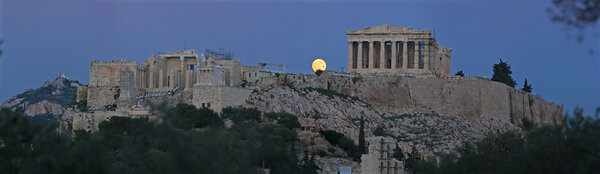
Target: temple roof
{"points": [[386, 29]]}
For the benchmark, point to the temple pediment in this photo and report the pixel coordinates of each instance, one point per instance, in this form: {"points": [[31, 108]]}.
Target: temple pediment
{"points": [[386, 29]]}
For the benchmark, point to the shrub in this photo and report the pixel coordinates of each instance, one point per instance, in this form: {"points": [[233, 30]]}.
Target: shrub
{"points": [[239, 114]]}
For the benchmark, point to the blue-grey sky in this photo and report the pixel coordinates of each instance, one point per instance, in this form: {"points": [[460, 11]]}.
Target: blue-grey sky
{"points": [[43, 38]]}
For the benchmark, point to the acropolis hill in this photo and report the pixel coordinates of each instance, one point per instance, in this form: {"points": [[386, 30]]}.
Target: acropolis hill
{"points": [[397, 78]]}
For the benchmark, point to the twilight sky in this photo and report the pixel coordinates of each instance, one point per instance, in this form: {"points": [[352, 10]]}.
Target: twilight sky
{"points": [[43, 38]]}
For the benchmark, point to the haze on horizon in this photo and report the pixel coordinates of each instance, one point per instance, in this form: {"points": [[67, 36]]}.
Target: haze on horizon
{"points": [[45, 38]]}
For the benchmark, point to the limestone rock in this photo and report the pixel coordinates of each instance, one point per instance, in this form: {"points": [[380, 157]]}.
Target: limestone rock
{"points": [[51, 98], [44, 107]]}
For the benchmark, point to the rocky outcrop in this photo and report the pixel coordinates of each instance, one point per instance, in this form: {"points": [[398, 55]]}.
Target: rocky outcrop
{"points": [[319, 109], [435, 116], [51, 98], [44, 107], [466, 98]]}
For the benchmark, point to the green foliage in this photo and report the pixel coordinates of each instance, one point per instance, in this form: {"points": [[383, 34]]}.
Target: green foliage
{"points": [[286, 119], [460, 73], [502, 74], [412, 160], [330, 93], [186, 116], [526, 87], [379, 131], [82, 105], [126, 145], [361, 137], [527, 124], [308, 165], [239, 114], [570, 148], [398, 154], [338, 139]]}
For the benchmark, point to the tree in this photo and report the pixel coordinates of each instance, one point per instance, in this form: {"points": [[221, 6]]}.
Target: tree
{"points": [[361, 136], [526, 87], [379, 131], [240, 114], [308, 165], [460, 73], [502, 74], [579, 14], [398, 154], [413, 159]]}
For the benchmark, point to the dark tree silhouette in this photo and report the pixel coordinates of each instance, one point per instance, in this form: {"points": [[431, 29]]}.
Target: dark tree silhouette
{"points": [[460, 73], [502, 74], [398, 154], [361, 137], [526, 87], [579, 14]]}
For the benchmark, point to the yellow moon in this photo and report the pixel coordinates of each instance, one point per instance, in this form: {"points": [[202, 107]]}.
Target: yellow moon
{"points": [[319, 64]]}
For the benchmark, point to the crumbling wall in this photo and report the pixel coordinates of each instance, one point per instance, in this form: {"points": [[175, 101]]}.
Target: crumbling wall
{"points": [[108, 73], [100, 96], [82, 93]]}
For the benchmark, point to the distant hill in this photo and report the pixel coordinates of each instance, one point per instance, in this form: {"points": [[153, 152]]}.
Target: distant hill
{"points": [[47, 102]]}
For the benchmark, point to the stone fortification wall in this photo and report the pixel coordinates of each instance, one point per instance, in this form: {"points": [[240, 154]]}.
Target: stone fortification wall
{"points": [[463, 98], [82, 93], [108, 73], [219, 97], [100, 96]]}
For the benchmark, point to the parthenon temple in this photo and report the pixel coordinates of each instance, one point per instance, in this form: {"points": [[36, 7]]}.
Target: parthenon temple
{"points": [[394, 49]]}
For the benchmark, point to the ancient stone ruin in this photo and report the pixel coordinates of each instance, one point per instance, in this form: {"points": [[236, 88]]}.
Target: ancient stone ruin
{"points": [[393, 49]]}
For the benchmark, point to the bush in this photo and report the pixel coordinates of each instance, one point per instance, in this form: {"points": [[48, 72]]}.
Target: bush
{"points": [[239, 114], [128, 145], [82, 105], [186, 116], [379, 131], [286, 119], [343, 142], [569, 148]]}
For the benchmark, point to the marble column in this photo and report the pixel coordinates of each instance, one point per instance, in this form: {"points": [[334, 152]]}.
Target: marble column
{"points": [[416, 56], [371, 54], [187, 79], [393, 56], [359, 60], [151, 76], [381, 54], [182, 71], [405, 54], [426, 56], [160, 79], [198, 75], [350, 51]]}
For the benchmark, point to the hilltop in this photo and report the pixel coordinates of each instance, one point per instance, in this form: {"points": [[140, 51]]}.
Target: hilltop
{"points": [[48, 101]]}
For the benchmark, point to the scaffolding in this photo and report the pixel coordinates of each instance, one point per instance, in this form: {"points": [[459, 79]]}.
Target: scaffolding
{"points": [[220, 54], [265, 66]]}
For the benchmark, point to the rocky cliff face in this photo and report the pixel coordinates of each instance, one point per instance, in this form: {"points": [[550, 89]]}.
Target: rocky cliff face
{"points": [[319, 109], [470, 99], [50, 99], [434, 115]]}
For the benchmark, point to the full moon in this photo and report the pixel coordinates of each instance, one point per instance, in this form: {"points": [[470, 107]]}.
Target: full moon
{"points": [[319, 64]]}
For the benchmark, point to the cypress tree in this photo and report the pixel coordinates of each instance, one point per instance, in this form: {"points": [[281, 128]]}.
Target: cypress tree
{"points": [[361, 136], [526, 87], [502, 74]]}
